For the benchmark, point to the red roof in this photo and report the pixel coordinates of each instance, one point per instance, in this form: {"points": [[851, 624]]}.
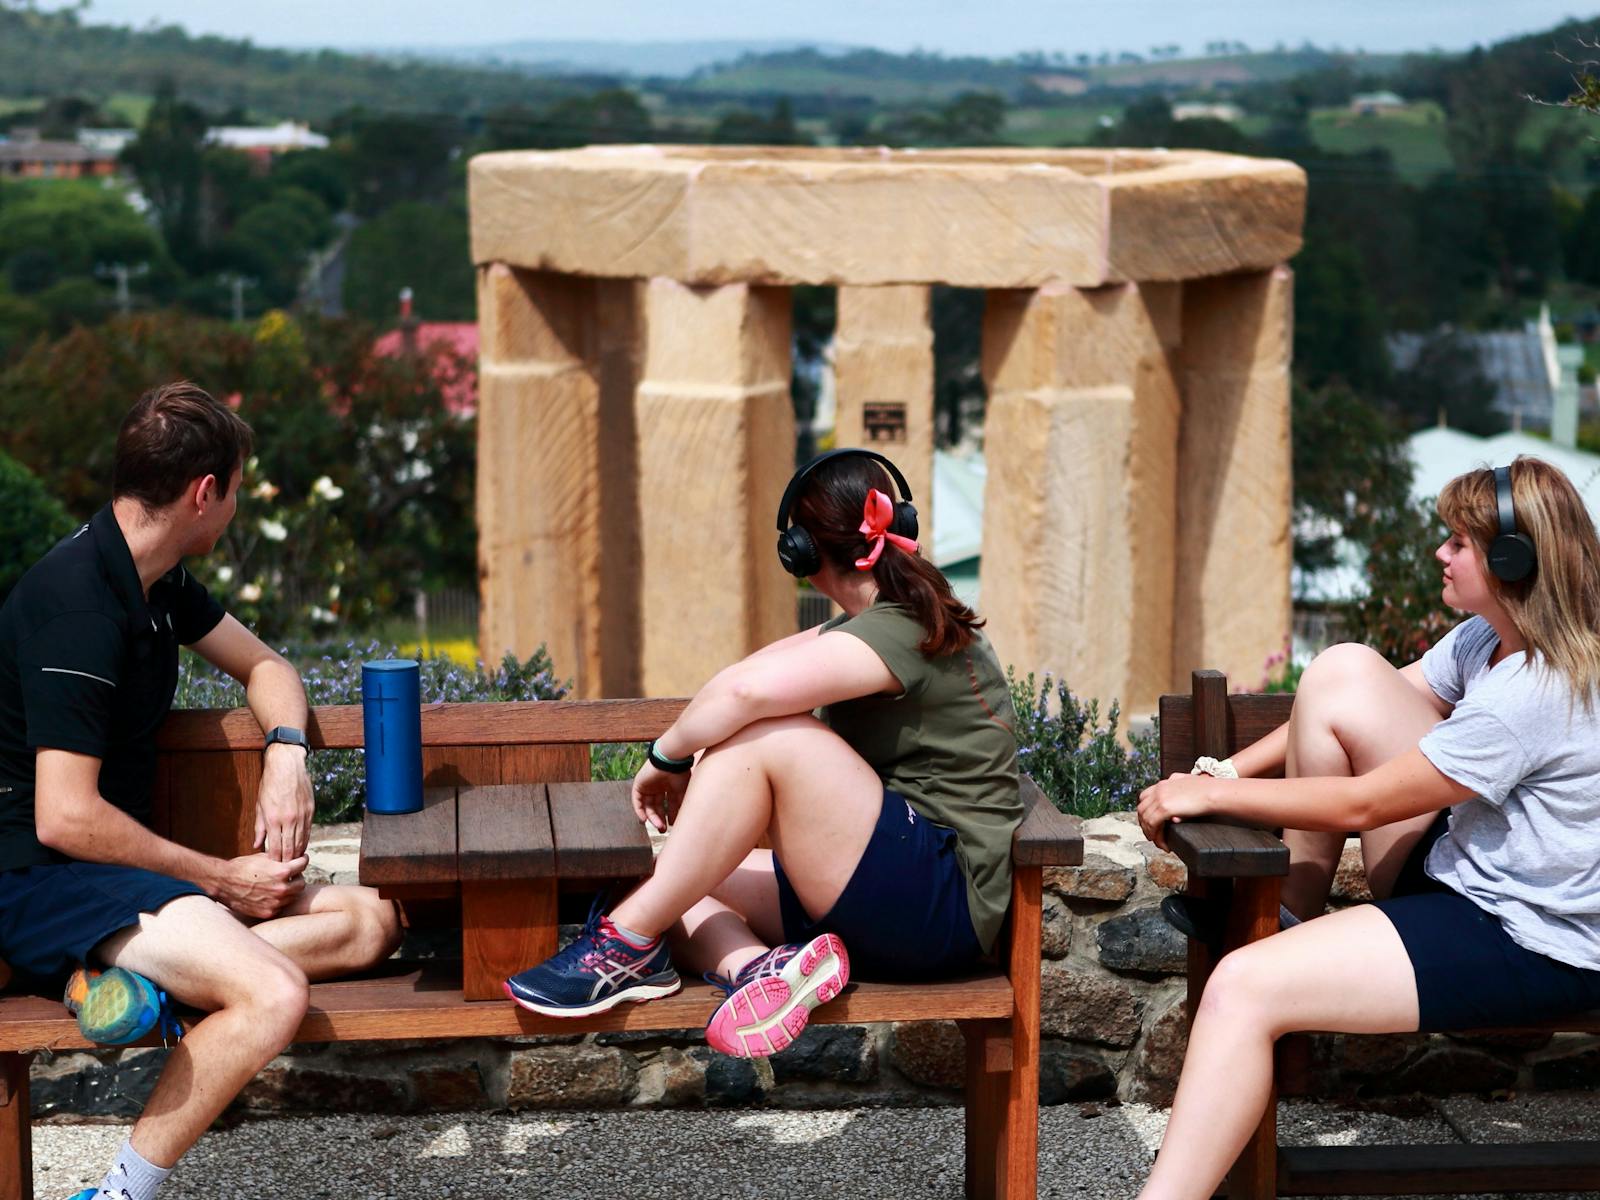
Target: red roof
{"points": [[459, 338]]}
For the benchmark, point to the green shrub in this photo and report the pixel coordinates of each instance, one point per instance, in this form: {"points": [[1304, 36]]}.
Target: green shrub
{"points": [[31, 521], [332, 675], [1080, 764]]}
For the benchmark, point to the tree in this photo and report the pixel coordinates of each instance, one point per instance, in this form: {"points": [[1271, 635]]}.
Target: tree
{"points": [[166, 158], [420, 246], [31, 521]]}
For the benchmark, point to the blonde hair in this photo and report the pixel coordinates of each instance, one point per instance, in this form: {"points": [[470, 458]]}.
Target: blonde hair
{"points": [[1556, 608]]}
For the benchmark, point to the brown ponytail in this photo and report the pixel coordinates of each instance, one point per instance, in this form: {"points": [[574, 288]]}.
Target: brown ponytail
{"points": [[830, 510]]}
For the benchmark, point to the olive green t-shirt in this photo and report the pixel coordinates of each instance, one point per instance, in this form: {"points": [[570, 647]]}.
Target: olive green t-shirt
{"points": [[947, 744]]}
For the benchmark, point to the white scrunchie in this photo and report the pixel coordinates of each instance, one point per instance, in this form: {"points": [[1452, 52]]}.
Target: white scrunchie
{"points": [[1219, 769]]}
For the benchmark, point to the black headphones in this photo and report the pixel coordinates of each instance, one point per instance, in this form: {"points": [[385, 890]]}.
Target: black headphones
{"points": [[797, 551], [1511, 555]]}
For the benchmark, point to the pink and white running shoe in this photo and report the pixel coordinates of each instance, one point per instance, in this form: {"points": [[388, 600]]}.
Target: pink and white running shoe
{"points": [[770, 1000]]}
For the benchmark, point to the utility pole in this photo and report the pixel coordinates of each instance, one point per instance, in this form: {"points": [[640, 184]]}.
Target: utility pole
{"points": [[122, 272]]}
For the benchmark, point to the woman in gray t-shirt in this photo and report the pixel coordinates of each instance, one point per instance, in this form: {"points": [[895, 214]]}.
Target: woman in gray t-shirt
{"points": [[1474, 775]]}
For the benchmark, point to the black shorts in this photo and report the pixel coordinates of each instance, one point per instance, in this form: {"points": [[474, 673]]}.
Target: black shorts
{"points": [[904, 914], [52, 917], [1470, 973]]}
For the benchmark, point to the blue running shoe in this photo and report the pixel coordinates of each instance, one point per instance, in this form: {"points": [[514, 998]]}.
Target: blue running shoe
{"points": [[597, 971], [117, 1006], [87, 1194]]}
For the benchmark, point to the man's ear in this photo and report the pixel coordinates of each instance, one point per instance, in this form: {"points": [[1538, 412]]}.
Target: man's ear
{"points": [[205, 493]]}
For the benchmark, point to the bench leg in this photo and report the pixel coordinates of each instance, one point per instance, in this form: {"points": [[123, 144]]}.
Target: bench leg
{"points": [[16, 1133], [1252, 916], [989, 1064], [507, 926], [1020, 1162]]}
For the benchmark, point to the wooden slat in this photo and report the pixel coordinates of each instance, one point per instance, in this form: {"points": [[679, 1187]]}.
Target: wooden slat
{"points": [[503, 833], [987, 1089], [544, 764], [1019, 1150], [211, 801], [411, 848], [1445, 1169], [460, 766], [1214, 850], [490, 724], [1251, 715], [1253, 915], [597, 835], [506, 927], [1212, 721], [1047, 837], [417, 1003]]}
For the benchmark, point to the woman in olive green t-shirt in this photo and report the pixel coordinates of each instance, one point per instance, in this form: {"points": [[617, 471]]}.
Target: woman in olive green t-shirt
{"points": [[876, 754]]}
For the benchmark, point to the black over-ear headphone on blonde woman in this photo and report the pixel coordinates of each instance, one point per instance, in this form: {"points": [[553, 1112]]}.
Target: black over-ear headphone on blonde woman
{"points": [[797, 550], [1511, 555]]}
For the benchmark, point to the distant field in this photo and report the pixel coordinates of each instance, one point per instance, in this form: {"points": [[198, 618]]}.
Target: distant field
{"points": [[1414, 138], [1056, 126], [819, 81]]}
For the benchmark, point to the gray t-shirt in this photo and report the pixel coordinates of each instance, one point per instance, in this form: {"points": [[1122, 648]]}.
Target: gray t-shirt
{"points": [[1527, 847]]}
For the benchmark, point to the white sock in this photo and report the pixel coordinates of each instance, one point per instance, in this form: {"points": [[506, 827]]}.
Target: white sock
{"points": [[131, 1177], [637, 940]]}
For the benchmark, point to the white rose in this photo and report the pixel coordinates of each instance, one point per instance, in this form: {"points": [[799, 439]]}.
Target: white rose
{"points": [[224, 574], [274, 531], [325, 488], [250, 593]]}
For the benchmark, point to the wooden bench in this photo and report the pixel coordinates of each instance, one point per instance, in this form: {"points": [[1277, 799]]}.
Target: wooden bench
{"points": [[480, 755], [1246, 868]]}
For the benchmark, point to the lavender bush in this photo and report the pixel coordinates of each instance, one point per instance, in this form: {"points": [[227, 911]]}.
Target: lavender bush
{"points": [[332, 675], [1078, 763]]}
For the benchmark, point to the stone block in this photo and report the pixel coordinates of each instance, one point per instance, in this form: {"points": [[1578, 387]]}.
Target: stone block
{"points": [[870, 216], [286, 1085], [1378, 1054], [1098, 878], [829, 1054], [1234, 491], [1055, 935], [89, 1085], [932, 1053], [1570, 1071], [669, 1077], [1083, 420], [1166, 870], [447, 1086], [1350, 878], [1141, 942], [1086, 1007], [1159, 1059], [1446, 1069], [883, 382], [569, 1077], [716, 437], [728, 1081], [1068, 1072]]}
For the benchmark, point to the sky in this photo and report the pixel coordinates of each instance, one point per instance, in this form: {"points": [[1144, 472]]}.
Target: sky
{"points": [[994, 27]]}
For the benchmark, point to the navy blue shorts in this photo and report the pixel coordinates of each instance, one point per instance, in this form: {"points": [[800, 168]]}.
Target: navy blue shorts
{"points": [[52, 917], [1470, 973], [903, 915]]}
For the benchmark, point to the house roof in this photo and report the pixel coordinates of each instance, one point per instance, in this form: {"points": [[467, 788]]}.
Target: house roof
{"points": [[49, 152], [458, 337]]}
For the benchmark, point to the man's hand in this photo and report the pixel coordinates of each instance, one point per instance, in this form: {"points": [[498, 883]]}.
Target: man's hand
{"points": [[1173, 799], [284, 804], [257, 886], [657, 794]]}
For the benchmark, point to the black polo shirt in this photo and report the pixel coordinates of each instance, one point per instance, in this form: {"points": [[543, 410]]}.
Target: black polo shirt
{"points": [[88, 664]]}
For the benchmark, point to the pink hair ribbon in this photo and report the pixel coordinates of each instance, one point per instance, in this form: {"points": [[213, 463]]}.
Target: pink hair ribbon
{"points": [[877, 515]]}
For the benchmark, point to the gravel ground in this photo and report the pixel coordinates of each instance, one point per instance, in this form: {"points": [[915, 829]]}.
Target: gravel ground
{"points": [[873, 1154]]}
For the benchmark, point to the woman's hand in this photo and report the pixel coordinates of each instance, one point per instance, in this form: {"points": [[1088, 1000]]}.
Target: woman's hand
{"points": [[657, 794], [1174, 799]]}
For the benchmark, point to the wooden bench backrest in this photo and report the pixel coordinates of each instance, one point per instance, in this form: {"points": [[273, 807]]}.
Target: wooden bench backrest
{"points": [[1210, 721], [210, 759]]}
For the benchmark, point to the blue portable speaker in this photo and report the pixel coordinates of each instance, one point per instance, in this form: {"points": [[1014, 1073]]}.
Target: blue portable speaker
{"points": [[391, 710]]}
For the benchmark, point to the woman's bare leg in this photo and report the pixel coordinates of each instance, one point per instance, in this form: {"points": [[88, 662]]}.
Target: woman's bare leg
{"points": [[1298, 980], [1353, 712], [792, 778], [739, 921]]}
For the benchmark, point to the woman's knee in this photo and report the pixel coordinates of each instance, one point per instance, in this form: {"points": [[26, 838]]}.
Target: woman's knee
{"points": [[1344, 665], [1240, 987]]}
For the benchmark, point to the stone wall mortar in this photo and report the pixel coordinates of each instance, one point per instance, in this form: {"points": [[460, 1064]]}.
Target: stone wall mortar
{"points": [[1113, 1021]]}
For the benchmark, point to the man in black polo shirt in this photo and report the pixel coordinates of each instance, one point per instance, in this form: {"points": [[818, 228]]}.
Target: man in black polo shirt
{"points": [[88, 666]]}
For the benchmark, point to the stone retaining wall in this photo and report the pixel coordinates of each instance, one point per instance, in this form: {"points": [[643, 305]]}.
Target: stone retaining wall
{"points": [[1114, 1029]]}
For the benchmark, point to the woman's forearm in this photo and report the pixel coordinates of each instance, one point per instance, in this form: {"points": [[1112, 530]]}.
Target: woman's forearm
{"points": [[1265, 757], [718, 711]]}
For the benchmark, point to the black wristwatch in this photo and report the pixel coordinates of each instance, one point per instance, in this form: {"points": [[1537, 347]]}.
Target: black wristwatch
{"points": [[672, 766], [290, 736]]}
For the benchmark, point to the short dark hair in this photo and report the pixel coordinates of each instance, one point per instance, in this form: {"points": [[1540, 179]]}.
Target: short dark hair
{"points": [[174, 435]]}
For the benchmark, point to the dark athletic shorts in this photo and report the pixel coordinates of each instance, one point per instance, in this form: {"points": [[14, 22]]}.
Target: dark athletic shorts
{"points": [[903, 915], [1470, 974], [51, 917]]}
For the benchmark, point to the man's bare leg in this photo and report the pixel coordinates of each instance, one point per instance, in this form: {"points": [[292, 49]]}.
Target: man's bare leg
{"points": [[331, 930], [256, 997]]}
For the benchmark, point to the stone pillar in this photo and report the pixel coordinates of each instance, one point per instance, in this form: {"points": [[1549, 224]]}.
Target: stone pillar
{"points": [[716, 446], [883, 381], [1234, 490], [554, 480], [1079, 518]]}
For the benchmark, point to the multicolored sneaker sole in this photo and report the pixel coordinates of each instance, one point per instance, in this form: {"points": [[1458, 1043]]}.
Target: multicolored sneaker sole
{"points": [[113, 1007], [766, 1014]]}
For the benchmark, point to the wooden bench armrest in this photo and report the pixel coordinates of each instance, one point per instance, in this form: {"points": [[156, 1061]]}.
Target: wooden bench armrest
{"points": [[1215, 850], [1047, 837]]}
